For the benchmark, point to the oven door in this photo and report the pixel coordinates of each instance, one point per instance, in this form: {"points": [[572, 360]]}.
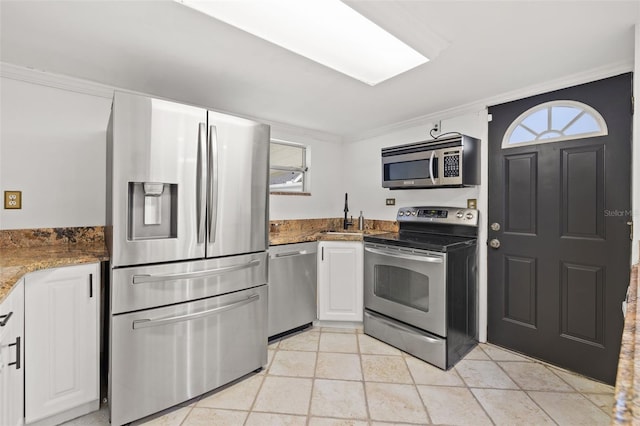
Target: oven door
{"points": [[408, 285]]}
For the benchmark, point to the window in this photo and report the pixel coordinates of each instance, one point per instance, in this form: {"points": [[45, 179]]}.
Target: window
{"points": [[554, 121], [289, 167]]}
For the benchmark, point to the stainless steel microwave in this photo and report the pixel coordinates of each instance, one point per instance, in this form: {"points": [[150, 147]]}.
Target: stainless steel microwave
{"points": [[445, 162]]}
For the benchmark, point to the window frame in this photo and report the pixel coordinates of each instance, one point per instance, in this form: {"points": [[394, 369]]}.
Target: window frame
{"points": [[304, 169], [586, 109]]}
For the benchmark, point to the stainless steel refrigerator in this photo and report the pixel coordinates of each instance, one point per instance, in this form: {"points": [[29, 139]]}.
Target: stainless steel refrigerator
{"points": [[187, 199]]}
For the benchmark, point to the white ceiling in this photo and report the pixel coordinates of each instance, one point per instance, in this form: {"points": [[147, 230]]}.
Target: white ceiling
{"points": [[166, 49]]}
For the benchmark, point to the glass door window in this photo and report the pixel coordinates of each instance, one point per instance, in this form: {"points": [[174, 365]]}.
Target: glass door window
{"points": [[403, 286]]}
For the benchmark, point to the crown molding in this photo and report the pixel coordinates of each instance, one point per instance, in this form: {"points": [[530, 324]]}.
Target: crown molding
{"points": [[473, 107], [58, 81]]}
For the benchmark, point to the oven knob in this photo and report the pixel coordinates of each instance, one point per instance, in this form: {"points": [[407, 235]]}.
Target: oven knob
{"points": [[459, 215], [400, 213], [414, 213], [469, 215]]}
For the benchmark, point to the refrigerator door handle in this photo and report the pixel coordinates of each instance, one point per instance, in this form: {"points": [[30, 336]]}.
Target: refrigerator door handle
{"points": [[213, 182], [201, 182], [153, 322], [140, 279]]}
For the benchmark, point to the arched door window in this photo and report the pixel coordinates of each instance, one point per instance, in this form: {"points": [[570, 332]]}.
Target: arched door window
{"points": [[552, 122]]}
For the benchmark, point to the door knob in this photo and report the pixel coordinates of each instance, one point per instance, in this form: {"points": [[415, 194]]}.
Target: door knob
{"points": [[494, 243]]}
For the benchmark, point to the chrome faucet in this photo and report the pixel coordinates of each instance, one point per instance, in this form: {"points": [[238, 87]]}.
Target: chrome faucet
{"points": [[346, 222]]}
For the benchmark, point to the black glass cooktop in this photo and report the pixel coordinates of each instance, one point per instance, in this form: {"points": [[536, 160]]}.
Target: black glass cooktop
{"points": [[421, 240]]}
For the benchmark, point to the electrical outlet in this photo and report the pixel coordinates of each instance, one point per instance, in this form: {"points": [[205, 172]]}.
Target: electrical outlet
{"points": [[391, 201], [12, 199], [472, 203], [436, 129]]}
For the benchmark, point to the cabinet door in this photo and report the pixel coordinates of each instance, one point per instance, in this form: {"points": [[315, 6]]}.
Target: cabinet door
{"points": [[340, 270], [62, 341], [11, 357]]}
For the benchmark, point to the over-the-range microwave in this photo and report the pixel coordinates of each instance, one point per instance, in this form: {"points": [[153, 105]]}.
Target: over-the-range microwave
{"points": [[444, 162]]}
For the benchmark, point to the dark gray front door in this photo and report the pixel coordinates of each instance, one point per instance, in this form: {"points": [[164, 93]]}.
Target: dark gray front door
{"points": [[560, 273]]}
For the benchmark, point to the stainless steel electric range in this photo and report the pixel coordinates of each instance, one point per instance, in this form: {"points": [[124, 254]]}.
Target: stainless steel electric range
{"points": [[420, 284]]}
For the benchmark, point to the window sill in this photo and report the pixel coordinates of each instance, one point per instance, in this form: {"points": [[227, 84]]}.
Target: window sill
{"points": [[289, 193]]}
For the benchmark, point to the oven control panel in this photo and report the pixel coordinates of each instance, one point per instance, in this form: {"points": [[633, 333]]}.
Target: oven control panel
{"points": [[443, 215]]}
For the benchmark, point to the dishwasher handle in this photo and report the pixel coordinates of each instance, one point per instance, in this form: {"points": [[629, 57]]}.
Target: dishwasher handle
{"points": [[151, 322], [407, 256], [140, 279], [289, 253]]}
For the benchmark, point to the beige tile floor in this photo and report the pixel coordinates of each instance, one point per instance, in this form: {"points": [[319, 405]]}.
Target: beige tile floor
{"points": [[332, 376]]}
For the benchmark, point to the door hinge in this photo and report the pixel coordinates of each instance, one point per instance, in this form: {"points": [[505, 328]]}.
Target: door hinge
{"points": [[630, 223], [633, 104]]}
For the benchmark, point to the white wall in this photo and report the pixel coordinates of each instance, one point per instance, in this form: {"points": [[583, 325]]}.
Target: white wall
{"points": [[326, 180], [52, 148]]}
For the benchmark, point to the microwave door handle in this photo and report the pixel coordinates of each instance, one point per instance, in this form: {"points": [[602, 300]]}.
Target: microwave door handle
{"points": [[433, 154], [404, 256], [201, 182], [213, 183]]}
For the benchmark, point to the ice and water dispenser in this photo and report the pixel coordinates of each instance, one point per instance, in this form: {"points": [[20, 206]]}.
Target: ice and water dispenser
{"points": [[153, 210]]}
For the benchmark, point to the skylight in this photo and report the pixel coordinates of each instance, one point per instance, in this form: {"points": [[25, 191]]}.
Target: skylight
{"points": [[326, 31]]}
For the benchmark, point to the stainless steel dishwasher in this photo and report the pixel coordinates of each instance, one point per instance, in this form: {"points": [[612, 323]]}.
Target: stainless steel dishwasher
{"points": [[292, 287]]}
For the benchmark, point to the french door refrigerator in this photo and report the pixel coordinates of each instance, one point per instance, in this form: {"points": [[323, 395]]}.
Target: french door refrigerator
{"points": [[187, 199]]}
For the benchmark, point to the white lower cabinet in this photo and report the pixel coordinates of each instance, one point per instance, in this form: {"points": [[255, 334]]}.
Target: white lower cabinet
{"points": [[11, 357], [62, 348], [340, 271]]}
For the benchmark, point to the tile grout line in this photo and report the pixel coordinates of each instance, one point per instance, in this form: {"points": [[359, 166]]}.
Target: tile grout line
{"points": [[415, 386], [470, 389], [313, 380], [364, 381]]}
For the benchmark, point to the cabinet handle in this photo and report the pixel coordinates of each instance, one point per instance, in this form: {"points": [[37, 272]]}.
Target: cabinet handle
{"points": [[322, 254], [90, 285], [5, 319], [17, 345]]}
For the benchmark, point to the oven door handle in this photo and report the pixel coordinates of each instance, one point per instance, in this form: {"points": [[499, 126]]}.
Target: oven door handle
{"points": [[140, 279], [151, 322], [429, 259]]}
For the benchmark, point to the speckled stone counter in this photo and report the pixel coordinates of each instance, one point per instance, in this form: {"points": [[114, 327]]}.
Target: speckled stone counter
{"points": [[308, 230], [626, 410], [27, 250]]}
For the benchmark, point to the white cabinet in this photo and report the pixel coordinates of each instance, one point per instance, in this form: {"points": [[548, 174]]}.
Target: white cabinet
{"points": [[11, 357], [340, 270], [62, 343]]}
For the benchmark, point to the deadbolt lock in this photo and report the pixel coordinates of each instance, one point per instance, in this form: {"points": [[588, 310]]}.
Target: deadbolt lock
{"points": [[495, 226]]}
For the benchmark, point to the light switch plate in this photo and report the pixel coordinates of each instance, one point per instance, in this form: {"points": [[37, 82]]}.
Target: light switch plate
{"points": [[12, 199]]}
